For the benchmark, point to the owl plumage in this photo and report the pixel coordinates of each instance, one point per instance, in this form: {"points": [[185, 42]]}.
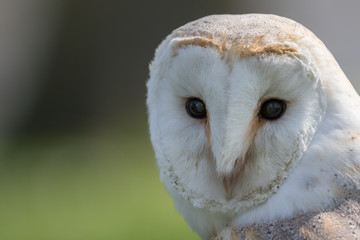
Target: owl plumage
{"points": [[254, 127]]}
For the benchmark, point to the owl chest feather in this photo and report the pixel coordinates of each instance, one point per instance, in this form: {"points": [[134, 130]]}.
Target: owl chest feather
{"points": [[339, 222]]}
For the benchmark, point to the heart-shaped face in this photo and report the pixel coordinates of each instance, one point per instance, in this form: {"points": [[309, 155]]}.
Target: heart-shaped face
{"points": [[234, 102]]}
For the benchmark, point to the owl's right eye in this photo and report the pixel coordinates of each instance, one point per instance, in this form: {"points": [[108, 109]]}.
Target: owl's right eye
{"points": [[272, 109], [196, 108]]}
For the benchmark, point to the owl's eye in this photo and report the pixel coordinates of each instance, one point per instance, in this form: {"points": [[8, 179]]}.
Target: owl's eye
{"points": [[272, 109], [196, 108]]}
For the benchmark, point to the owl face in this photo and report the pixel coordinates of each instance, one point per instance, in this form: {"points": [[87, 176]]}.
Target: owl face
{"points": [[234, 102], [228, 130]]}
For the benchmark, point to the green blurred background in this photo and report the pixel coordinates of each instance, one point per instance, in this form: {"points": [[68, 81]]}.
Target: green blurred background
{"points": [[76, 160]]}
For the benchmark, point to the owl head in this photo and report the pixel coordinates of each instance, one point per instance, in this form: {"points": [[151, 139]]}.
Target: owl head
{"points": [[234, 102]]}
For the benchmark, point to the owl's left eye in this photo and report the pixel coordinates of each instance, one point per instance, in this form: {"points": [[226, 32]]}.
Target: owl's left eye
{"points": [[196, 108]]}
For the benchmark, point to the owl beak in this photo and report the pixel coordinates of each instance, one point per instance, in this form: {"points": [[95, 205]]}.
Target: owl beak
{"points": [[229, 168], [229, 183], [231, 179], [230, 148]]}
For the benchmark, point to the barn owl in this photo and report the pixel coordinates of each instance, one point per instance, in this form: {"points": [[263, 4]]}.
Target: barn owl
{"points": [[256, 130]]}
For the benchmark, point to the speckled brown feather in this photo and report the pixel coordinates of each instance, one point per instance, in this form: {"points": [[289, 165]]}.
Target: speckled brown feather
{"points": [[340, 222]]}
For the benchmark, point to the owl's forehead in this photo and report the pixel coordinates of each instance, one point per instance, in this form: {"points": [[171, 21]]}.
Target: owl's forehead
{"points": [[241, 48], [241, 35], [230, 28]]}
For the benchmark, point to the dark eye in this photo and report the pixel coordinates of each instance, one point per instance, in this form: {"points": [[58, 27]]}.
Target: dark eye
{"points": [[195, 108], [272, 109]]}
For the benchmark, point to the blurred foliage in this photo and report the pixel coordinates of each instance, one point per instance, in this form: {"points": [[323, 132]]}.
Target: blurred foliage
{"points": [[100, 186], [99, 61]]}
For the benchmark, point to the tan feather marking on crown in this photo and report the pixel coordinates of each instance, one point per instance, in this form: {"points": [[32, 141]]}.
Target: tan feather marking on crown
{"points": [[196, 41], [243, 47], [253, 46]]}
